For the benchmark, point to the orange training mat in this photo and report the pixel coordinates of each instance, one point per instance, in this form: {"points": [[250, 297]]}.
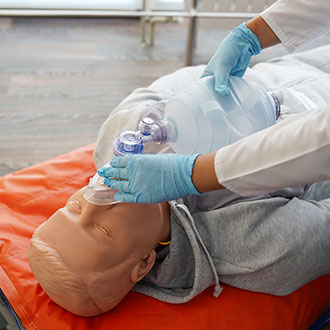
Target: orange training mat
{"points": [[30, 196]]}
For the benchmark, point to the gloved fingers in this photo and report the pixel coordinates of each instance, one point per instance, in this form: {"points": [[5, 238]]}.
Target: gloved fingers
{"points": [[240, 69], [120, 161], [221, 78], [124, 197], [238, 73], [121, 185], [137, 198], [222, 89], [102, 171], [206, 73], [111, 172], [221, 83]]}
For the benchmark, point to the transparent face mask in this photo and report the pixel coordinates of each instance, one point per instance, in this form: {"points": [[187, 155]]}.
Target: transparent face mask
{"points": [[98, 193]]}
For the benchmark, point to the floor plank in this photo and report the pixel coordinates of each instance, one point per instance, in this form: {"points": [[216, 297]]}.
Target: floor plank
{"points": [[61, 77]]}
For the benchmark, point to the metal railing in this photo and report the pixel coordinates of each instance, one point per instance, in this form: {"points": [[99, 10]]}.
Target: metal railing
{"points": [[241, 9]]}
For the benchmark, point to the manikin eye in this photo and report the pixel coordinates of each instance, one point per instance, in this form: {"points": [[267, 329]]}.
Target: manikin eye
{"points": [[105, 230], [76, 206]]}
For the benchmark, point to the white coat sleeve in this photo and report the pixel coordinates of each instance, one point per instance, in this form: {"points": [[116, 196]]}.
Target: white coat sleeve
{"points": [[293, 152], [296, 22]]}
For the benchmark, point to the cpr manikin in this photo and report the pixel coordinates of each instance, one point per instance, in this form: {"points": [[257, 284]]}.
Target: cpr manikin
{"points": [[88, 257], [98, 252], [274, 243]]}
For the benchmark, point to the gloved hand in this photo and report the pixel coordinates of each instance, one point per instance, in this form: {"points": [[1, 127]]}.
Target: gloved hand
{"points": [[150, 178], [232, 57]]}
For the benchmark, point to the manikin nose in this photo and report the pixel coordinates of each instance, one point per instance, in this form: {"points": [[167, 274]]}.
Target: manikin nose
{"points": [[89, 213]]}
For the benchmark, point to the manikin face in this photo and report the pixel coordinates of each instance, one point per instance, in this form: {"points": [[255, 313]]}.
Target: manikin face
{"points": [[92, 238]]}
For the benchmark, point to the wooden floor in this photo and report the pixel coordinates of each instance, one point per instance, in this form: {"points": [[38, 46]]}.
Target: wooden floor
{"points": [[60, 78]]}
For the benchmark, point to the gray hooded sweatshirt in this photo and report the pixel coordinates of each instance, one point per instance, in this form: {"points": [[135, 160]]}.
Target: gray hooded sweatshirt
{"points": [[273, 245]]}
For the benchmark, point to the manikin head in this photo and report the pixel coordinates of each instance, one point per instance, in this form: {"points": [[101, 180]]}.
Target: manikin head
{"points": [[88, 257]]}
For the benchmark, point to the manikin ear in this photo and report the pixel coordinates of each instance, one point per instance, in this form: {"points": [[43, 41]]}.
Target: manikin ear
{"points": [[143, 266]]}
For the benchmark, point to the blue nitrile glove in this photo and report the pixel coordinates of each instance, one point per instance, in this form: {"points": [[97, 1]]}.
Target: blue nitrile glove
{"points": [[232, 57], [150, 178]]}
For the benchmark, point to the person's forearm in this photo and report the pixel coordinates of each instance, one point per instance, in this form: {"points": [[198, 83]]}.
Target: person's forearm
{"points": [[261, 29], [204, 176]]}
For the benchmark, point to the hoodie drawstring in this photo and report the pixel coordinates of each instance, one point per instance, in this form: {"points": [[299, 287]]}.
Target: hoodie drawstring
{"points": [[217, 289]]}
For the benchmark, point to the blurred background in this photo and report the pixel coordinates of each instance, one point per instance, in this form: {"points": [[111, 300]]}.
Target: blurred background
{"points": [[65, 65]]}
